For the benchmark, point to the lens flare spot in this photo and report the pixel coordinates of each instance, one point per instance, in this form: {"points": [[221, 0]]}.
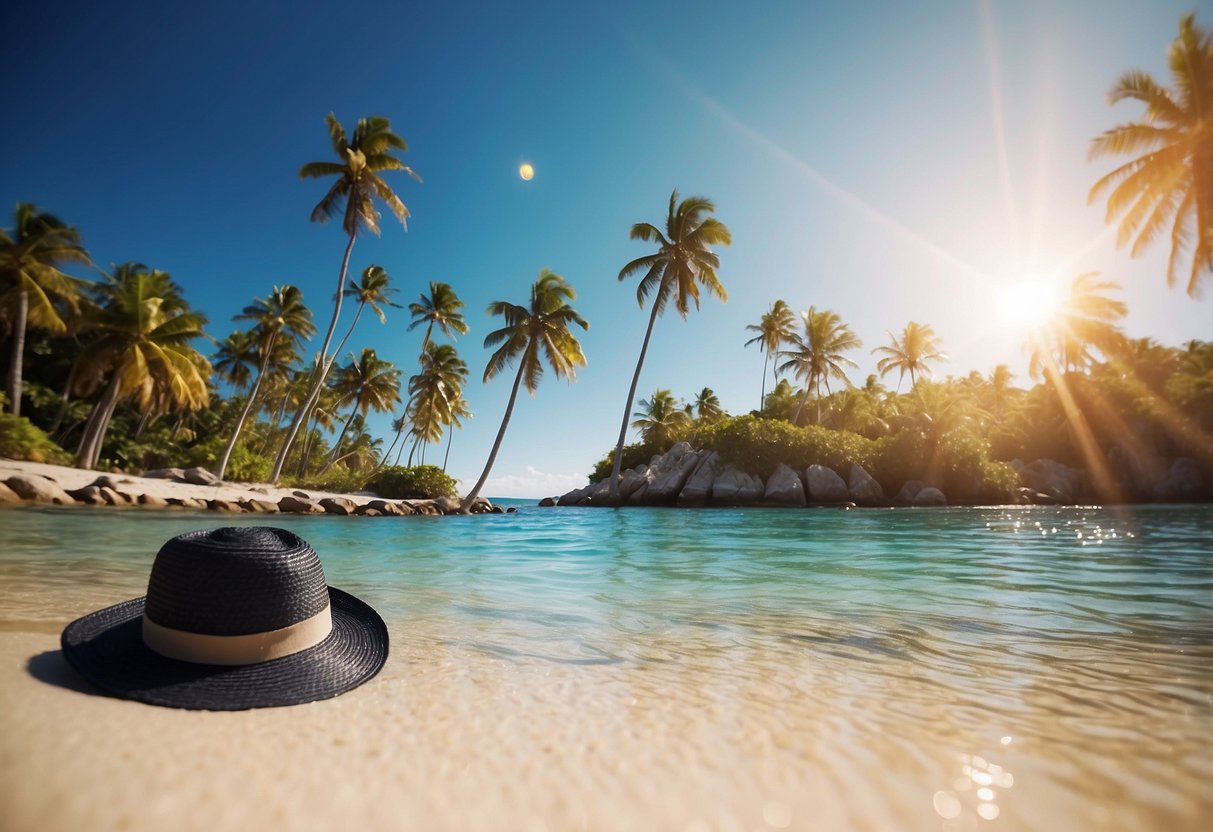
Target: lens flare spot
{"points": [[527, 171], [947, 804]]}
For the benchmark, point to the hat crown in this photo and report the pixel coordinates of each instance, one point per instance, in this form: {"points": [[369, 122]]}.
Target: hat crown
{"points": [[235, 581]]}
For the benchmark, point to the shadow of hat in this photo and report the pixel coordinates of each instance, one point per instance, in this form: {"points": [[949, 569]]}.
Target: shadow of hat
{"points": [[234, 618]]}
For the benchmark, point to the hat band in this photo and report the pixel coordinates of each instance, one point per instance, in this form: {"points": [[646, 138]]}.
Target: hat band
{"points": [[252, 648]]}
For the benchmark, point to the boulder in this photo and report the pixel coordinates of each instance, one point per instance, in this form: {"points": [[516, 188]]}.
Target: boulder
{"points": [[1059, 481], [187, 502], [698, 488], [7, 495], [671, 474], [405, 508], [225, 505], [1184, 482], [106, 481], [734, 487], [175, 474], [256, 506], [384, 507], [90, 495], [199, 476], [547, 502], [930, 496], [426, 507], [598, 494], [574, 497], [302, 495], [825, 486], [341, 506], [784, 488], [152, 501], [298, 505], [367, 511], [908, 492], [862, 488], [632, 480], [36, 489]]}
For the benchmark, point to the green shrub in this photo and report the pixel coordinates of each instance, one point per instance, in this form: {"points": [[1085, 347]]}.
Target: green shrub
{"points": [[424, 482], [759, 446], [633, 455], [21, 440]]}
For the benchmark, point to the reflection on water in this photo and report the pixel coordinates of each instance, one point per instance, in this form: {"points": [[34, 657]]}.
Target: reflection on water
{"points": [[1041, 668]]}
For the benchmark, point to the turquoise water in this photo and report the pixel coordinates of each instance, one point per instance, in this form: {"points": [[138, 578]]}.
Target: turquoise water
{"points": [[1045, 667]]}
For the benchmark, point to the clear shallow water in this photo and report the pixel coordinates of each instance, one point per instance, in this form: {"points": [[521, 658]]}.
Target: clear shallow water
{"points": [[1035, 668]]}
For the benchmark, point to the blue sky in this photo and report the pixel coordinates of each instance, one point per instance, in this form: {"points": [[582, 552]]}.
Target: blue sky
{"points": [[889, 161]]}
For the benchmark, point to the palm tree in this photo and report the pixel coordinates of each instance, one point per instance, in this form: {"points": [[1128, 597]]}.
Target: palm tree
{"points": [[774, 329], [1172, 181], [530, 335], [658, 418], [1083, 319], [683, 262], [433, 392], [910, 354], [358, 185], [818, 355], [282, 312], [372, 290], [236, 358], [144, 327], [370, 383], [441, 308], [707, 405], [31, 284]]}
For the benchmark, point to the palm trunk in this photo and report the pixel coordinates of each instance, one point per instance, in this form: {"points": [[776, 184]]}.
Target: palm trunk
{"points": [[509, 411], [762, 400], [340, 438], [98, 423], [450, 436], [221, 465], [322, 368], [627, 410], [18, 353]]}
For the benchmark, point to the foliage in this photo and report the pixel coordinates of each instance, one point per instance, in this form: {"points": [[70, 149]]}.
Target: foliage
{"points": [[423, 482], [636, 454], [19, 439], [758, 445]]}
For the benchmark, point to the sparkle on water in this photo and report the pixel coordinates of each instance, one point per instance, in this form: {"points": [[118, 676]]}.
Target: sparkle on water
{"points": [[1048, 668]]}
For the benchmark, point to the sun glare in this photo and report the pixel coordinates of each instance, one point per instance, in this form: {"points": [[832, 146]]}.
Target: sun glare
{"points": [[1028, 303], [527, 171]]}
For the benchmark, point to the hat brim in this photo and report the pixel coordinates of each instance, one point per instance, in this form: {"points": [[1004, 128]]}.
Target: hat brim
{"points": [[106, 647]]}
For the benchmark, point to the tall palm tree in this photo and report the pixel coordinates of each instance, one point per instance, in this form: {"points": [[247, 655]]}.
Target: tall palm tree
{"points": [[658, 417], [31, 285], [911, 353], [531, 335], [434, 391], [1172, 181], [817, 356], [353, 196], [1083, 320], [368, 383], [774, 329], [142, 351], [460, 410], [682, 263], [371, 290], [237, 357], [707, 405], [440, 308], [283, 312]]}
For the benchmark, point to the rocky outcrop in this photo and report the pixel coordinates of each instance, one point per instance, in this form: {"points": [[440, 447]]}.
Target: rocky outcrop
{"points": [[670, 474], [35, 489], [7, 495], [862, 488], [784, 488], [930, 496], [1056, 480], [734, 487], [548, 502], [698, 488], [825, 487], [1184, 482], [340, 506]]}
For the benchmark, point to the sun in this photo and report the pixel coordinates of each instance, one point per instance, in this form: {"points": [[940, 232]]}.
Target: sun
{"points": [[1029, 303], [527, 171]]}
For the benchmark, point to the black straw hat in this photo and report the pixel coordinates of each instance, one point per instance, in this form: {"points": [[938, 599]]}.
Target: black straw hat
{"points": [[234, 618]]}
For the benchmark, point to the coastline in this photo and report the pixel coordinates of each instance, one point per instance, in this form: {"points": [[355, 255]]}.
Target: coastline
{"points": [[72, 486]]}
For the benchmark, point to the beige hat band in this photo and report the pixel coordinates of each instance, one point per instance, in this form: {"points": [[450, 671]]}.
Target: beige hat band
{"points": [[252, 648]]}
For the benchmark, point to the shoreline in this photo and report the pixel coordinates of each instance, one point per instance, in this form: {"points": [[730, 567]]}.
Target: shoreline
{"points": [[46, 484]]}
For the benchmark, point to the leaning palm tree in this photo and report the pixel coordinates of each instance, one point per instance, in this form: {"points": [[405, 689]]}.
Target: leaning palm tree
{"points": [[774, 328], [368, 383], [817, 356], [911, 353], [371, 290], [658, 417], [142, 351], [1084, 319], [282, 313], [1171, 183], [353, 197], [675, 271], [531, 335], [440, 308], [32, 289], [433, 392]]}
